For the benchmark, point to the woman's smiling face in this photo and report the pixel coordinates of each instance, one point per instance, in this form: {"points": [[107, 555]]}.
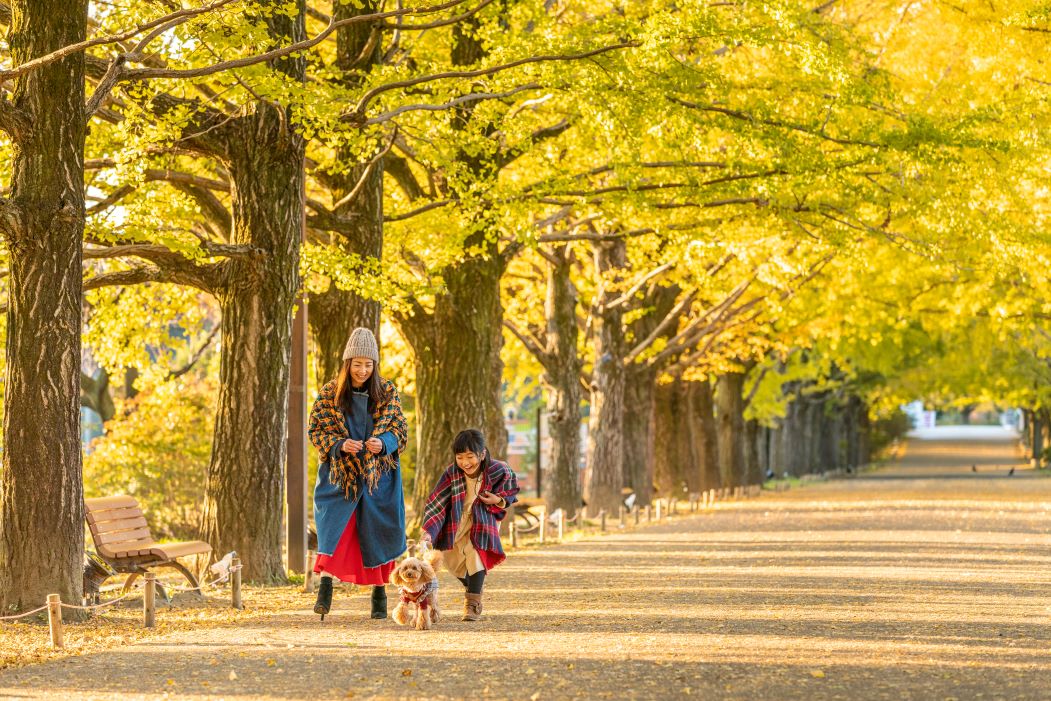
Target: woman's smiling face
{"points": [[361, 370]]}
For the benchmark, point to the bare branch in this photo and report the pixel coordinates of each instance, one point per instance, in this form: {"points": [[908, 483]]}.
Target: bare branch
{"points": [[530, 341], [634, 289], [150, 73], [668, 320], [418, 210], [196, 356], [437, 23], [363, 103], [162, 24], [465, 99]]}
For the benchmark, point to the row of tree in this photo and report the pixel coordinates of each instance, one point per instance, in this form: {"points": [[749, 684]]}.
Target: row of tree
{"points": [[700, 192]]}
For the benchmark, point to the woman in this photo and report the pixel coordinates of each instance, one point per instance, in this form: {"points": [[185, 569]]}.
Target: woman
{"points": [[358, 428]]}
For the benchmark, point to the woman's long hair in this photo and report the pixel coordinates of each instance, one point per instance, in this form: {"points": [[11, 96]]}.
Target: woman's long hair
{"points": [[345, 389]]}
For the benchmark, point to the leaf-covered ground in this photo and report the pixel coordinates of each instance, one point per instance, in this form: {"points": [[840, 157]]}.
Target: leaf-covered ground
{"points": [[924, 580]]}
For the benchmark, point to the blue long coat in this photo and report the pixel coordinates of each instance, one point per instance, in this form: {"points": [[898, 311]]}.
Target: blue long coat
{"points": [[381, 512]]}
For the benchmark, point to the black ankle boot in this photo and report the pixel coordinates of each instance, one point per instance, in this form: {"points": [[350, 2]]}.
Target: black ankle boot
{"points": [[324, 597], [379, 602]]}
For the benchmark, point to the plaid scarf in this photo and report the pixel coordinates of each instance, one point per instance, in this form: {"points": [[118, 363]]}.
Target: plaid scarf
{"points": [[327, 428]]}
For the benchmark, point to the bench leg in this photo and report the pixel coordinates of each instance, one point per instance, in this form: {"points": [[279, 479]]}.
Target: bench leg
{"points": [[182, 569], [129, 583]]}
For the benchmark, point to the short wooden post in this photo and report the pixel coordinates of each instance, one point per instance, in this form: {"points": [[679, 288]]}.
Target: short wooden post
{"points": [[543, 523], [308, 577], [149, 601], [602, 520], [658, 510], [649, 513], [620, 515], [636, 510], [561, 524], [513, 531], [54, 620], [235, 583]]}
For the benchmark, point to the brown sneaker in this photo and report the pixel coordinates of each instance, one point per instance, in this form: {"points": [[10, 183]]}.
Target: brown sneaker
{"points": [[472, 607]]}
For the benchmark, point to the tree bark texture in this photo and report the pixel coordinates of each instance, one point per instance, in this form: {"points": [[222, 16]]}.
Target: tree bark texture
{"points": [[730, 414], [605, 464], [41, 490], [458, 368], [245, 486], [561, 383], [640, 432], [707, 436]]}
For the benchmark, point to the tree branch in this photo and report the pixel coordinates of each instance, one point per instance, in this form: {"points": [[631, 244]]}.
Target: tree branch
{"points": [[530, 341], [363, 103], [150, 73], [465, 99], [162, 24]]}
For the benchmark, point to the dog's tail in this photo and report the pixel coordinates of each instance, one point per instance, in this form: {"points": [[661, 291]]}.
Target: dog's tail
{"points": [[434, 558]]}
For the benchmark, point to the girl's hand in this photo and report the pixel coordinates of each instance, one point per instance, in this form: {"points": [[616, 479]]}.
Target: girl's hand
{"points": [[425, 537], [488, 497], [352, 446], [374, 446]]}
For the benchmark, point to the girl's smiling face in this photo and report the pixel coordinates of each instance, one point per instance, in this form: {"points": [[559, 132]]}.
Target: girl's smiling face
{"points": [[361, 370], [468, 461]]}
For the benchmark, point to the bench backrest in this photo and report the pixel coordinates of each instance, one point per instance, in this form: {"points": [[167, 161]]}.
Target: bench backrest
{"points": [[118, 526]]}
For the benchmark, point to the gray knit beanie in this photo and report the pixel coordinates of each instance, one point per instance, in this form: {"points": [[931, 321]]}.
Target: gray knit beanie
{"points": [[362, 344]]}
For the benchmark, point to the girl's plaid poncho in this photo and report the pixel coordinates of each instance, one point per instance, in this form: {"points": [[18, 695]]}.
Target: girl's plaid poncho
{"points": [[328, 428], [441, 515]]}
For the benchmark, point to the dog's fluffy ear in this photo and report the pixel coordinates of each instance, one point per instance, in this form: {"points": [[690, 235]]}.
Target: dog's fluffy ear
{"points": [[395, 577]]}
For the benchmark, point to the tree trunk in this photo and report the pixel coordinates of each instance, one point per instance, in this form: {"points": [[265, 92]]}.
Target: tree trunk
{"points": [[730, 417], [668, 416], [605, 464], [41, 490], [459, 372], [708, 436], [245, 488], [692, 441], [753, 471], [561, 381], [1037, 434], [335, 312], [640, 433]]}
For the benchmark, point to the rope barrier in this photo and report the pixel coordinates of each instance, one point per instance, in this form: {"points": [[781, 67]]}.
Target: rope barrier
{"points": [[23, 615], [104, 603]]}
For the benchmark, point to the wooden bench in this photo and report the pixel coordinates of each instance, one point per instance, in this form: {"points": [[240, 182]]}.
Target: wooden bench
{"points": [[122, 538]]}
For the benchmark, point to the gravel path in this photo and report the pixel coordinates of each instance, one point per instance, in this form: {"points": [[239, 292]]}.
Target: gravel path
{"points": [[924, 580]]}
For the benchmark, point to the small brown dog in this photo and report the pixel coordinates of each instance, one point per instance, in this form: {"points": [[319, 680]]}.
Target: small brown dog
{"points": [[418, 584]]}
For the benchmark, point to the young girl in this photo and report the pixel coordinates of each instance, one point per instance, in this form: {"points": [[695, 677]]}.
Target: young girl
{"points": [[463, 513]]}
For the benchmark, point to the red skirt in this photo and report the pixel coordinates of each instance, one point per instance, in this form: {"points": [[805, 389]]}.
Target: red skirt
{"points": [[345, 563]]}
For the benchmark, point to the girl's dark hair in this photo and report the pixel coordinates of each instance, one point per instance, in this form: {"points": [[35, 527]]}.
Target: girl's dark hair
{"points": [[345, 389], [471, 441]]}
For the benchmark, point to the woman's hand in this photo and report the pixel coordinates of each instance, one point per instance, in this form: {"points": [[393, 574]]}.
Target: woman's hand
{"points": [[374, 445], [352, 446], [488, 497]]}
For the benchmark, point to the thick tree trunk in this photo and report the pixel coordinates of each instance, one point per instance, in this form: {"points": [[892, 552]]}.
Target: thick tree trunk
{"points": [[640, 433], [730, 416], [708, 436], [335, 312], [41, 490], [245, 487], [669, 414], [561, 381], [605, 464], [692, 440], [458, 368]]}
